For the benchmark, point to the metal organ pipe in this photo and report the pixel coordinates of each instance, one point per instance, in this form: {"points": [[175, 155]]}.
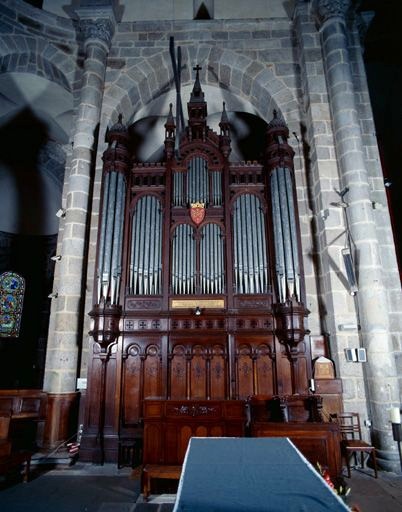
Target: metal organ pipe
{"points": [[102, 235], [250, 245], [146, 247], [178, 188], [140, 237], [216, 188], [245, 245], [287, 243], [250, 254], [197, 181], [118, 238], [147, 239], [211, 263], [111, 237], [151, 262], [183, 260], [278, 237], [285, 234], [293, 232]]}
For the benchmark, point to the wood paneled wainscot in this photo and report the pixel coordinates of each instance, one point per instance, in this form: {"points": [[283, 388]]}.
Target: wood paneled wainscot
{"points": [[318, 442], [169, 425]]}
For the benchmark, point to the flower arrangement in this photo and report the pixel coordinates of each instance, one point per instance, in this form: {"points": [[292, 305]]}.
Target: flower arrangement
{"points": [[341, 489]]}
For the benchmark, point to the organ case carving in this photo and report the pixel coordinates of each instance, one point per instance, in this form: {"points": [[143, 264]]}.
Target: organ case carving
{"points": [[199, 271]]}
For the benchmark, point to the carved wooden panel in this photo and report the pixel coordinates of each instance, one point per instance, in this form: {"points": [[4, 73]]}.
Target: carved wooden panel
{"points": [[178, 373], [218, 373], [142, 377], [169, 425], [255, 366], [284, 372], [244, 371], [198, 370]]}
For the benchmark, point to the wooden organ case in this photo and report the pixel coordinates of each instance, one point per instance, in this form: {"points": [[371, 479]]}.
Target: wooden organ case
{"points": [[199, 283]]}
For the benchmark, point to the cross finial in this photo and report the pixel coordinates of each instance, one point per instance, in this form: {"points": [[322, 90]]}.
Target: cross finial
{"points": [[197, 68]]}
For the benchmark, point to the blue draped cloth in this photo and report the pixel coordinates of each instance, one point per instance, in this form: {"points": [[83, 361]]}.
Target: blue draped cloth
{"points": [[251, 474]]}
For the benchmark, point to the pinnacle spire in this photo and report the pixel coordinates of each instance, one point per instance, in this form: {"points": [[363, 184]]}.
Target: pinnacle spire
{"points": [[197, 95]]}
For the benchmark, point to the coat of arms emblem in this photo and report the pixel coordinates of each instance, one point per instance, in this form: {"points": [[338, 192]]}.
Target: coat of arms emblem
{"points": [[197, 212]]}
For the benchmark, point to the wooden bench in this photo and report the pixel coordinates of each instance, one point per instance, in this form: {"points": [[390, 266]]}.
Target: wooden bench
{"points": [[9, 459], [13, 461], [151, 471]]}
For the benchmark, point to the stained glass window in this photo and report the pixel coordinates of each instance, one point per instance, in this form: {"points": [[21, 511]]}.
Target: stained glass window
{"points": [[12, 289]]}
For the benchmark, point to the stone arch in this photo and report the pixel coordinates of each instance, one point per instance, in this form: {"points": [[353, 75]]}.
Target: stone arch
{"points": [[30, 62], [145, 81]]}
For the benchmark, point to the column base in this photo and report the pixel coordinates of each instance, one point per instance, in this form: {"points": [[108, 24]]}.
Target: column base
{"points": [[61, 418], [389, 460]]}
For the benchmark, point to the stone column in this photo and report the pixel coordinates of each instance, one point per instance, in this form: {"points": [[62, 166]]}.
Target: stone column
{"points": [[381, 375], [65, 335]]}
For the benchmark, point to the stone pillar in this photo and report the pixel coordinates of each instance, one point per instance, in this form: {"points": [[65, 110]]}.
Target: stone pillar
{"points": [[65, 336], [381, 375]]}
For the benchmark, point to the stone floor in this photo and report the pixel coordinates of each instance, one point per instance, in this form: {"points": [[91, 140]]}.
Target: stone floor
{"points": [[89, 488]]}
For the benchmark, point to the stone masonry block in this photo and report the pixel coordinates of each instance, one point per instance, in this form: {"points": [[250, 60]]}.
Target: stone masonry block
{"points": [[79, 200], [74, 266], [66, 322], [72, 247]]}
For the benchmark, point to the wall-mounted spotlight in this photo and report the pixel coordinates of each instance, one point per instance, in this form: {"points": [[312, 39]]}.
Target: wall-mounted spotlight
{"points": [[387, 182], [53, 295], [56, 258], [340, 204], [324, 214], [61, 213], [348, 327], [197, 311]]}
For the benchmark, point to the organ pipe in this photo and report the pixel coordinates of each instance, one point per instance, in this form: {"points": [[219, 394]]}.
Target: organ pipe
{"points": [[249, 245], [197, 181], [285, 238], [111, 237], [183, 260], [146, 247], [211, 260]]}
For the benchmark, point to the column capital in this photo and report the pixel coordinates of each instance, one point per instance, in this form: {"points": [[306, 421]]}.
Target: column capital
{"points": [[324, 10], [97, 23], [99, 29]]}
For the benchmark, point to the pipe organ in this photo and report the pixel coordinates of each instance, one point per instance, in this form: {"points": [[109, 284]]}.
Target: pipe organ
{"points": [[199, 284]]}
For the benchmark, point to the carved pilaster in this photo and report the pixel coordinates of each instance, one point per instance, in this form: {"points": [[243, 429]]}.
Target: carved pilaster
{"points": [[101, 30], [327, 9]]}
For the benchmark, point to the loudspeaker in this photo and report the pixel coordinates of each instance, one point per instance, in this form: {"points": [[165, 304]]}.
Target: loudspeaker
{"points": [[356, 355], [361, 355], [351, 355]]}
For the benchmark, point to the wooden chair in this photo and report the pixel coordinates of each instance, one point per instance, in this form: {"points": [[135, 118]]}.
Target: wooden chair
{"points": [[352, 442]]}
